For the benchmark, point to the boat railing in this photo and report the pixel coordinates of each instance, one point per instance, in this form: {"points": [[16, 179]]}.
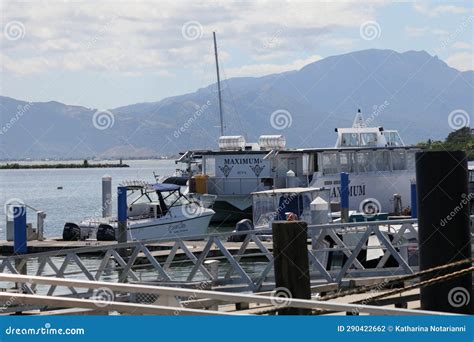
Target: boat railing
{"points": [[23, 205], [245, 186]]}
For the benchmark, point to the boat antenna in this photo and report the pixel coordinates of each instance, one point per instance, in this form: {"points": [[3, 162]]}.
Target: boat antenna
{"points": [[218, 84], [359, 120]]}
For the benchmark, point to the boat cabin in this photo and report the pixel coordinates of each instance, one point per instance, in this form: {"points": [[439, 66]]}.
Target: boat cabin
{"points": [[278, 204], [360, 135], [152, 200]]}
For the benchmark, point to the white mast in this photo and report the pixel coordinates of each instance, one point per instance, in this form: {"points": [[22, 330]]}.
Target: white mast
{"points": [[218, 85]]}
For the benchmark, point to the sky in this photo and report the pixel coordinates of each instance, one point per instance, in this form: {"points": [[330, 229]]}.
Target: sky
{"points": [[105, 54]]}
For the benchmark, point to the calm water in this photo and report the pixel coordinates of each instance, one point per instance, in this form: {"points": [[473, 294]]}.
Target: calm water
{"points": [[80, 197]]}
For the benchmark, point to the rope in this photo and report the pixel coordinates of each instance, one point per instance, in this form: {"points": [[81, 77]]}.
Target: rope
{"points": [[419, 285], [396, 281]]}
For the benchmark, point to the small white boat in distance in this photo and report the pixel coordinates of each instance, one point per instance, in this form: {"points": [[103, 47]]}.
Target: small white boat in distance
{"points": [[155, 211]]}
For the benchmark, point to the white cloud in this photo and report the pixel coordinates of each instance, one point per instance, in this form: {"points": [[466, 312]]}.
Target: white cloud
{"points": [[341, 42], [146, 36], [425, 9], [462, 46], [462, 61], [265, 69], [413, 31]]}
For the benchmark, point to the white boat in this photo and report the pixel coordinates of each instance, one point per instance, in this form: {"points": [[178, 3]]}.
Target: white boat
{"points": [[379, 164], [155, 211], [380, 167]]}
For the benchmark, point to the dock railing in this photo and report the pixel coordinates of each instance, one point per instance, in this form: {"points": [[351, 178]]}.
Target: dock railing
{"points": [[338, 253], [173, 301]]}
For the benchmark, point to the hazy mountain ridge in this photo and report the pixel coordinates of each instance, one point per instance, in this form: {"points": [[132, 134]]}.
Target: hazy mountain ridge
{"points": [[412, 91]]}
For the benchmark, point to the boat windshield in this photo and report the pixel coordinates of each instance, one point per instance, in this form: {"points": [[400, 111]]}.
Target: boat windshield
{"points": [[175, 198], [393, 138], [358, 139], [368, 139]]}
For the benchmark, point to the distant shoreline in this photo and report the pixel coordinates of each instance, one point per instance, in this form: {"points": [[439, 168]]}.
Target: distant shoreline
{"points": [[85, 165]]}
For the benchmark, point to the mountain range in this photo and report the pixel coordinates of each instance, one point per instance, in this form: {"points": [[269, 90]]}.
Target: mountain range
{"points": [[412, 91]]}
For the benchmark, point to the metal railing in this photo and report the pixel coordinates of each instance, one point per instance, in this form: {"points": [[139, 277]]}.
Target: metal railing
{"points": [[178, 299], [335, 252]]}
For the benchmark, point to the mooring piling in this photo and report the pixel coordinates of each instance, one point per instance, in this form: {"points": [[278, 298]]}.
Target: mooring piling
{"points": [[19, 230], [106, 196], [290, 254], [443, 228]]}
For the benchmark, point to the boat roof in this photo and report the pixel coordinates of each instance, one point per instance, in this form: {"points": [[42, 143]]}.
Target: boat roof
{"points": [[285, 190], [166, 187], [135, 185], [303, 150]]}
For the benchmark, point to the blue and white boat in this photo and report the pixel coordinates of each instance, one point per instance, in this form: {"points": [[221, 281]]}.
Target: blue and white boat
{"points": [[155, 211]]}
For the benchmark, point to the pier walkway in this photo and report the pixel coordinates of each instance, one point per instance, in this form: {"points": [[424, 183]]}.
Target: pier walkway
{"points": [[326, 244]]}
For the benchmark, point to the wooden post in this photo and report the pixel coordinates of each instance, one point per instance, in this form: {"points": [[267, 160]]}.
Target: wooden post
{"points": [[290, 252], [443, 228]]}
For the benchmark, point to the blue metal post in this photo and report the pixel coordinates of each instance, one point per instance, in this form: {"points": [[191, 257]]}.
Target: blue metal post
{"points": [[122, 203], [19, 230], [414, 212], [122, 213], [344, 196]]}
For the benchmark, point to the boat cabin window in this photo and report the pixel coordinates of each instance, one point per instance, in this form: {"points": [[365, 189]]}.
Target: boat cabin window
{"points": [[346, 162], [366, 161], [399, 161], [392, 138], [350, 139], [209, 166], [308, 164], [368, 139], [330, 163], [382, 160], [358, 139], [410, 160]]}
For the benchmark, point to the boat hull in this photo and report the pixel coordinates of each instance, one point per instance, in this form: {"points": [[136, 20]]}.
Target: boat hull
{"points": [[378, 187], [226, 212], [149, 230], [175, 224]]}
